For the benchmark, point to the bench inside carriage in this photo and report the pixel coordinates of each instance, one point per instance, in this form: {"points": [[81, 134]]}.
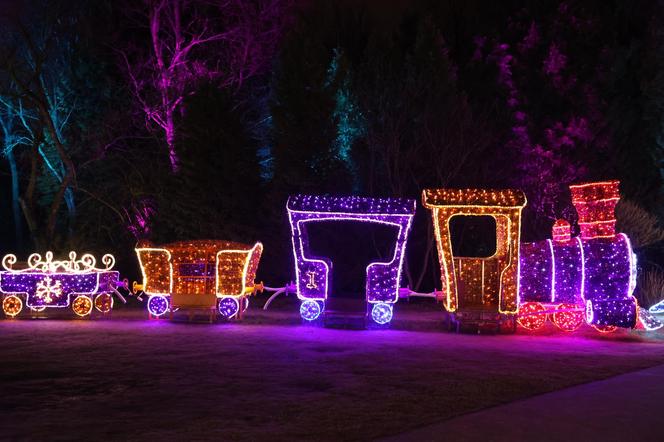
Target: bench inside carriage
{"points": [[209, 275]]}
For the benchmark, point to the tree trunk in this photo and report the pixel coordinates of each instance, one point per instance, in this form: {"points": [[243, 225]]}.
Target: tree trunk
{"points": [[67, 179], [170, 141], [16, 209]]}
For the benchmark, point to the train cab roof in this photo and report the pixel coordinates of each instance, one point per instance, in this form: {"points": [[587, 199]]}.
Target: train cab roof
{"points": [[508, 198]]}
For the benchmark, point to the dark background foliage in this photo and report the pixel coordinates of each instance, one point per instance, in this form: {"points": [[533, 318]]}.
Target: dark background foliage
{"points": [[350, 97]]}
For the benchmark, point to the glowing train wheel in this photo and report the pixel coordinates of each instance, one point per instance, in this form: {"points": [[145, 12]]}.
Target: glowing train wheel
{"points": [[104, 302], [12, 305], [568, 320], [228, 307], [381, 313], [157, 305], [530, 317], [38, 309], [245, 304], [310, 310], [82, 305], [605, 328]]}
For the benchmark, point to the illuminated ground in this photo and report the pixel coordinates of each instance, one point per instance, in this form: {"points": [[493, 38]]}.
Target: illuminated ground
{"points": [[270, 378]]}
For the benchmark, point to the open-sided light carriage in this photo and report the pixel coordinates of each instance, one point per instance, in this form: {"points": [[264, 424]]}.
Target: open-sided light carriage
{"points": [[44, 283], [313, 274], [588, 278], [210, 275]]}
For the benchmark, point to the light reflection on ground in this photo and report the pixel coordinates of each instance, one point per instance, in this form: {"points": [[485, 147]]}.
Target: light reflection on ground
{"points": [[271, 376]]}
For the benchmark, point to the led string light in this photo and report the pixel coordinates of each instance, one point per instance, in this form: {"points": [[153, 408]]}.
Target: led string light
{"points": [[104, 302], [85, 264], [12, 305], [532, 315], [568, 317], [82, 305], [49, 283], [312, 273], [505, 207]]}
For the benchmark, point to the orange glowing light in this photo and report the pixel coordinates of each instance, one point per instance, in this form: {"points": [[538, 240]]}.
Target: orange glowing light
{"points": [[201, 267], [595, 203], [484, 281]]}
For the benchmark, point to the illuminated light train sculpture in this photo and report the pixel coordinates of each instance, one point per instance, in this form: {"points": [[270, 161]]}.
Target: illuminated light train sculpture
{"points": [[46, 283], [203, 274], [589, 278], [313, 274]]}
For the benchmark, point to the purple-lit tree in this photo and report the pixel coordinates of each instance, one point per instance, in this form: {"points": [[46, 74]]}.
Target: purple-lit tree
{"points": [[551, 84], [191, 41]]}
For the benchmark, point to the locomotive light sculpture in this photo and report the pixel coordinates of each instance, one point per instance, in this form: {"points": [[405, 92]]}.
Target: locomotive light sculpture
{"points": [[44, 283], [589, 278], [217, 276], [313, 274]]}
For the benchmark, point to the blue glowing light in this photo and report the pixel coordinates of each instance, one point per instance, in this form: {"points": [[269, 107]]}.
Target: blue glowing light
{"points": [[310, 310], [657, 308], [381, 313]]}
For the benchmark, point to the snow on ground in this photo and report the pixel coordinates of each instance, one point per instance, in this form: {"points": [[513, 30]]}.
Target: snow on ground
{"points": [[272, 378]]}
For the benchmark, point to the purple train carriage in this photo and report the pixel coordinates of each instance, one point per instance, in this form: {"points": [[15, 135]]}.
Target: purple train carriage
{"points": [[45, 283], [314, 273]]}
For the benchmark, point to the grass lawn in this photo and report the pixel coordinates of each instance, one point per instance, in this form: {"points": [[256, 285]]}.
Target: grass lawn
{"points": [[271, 378]]}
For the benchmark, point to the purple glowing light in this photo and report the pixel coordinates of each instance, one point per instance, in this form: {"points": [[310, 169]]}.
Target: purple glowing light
{"points": [[313, 273], [310, 310], [49, 283], [228, 307], [157, 305]]}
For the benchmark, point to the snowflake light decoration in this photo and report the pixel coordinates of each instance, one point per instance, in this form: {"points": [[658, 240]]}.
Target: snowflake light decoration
{"points": [[47, 291]]}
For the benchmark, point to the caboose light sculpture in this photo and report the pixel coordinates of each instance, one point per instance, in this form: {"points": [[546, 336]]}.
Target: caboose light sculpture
{"points": [[44, 283], [217, 276], [479, 291], [312, 274]]}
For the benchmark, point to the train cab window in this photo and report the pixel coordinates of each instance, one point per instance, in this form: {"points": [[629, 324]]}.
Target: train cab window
{"points": [[473, 236]]}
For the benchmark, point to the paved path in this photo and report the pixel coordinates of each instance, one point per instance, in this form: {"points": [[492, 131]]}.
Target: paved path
{"points": [[628, 407]]}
